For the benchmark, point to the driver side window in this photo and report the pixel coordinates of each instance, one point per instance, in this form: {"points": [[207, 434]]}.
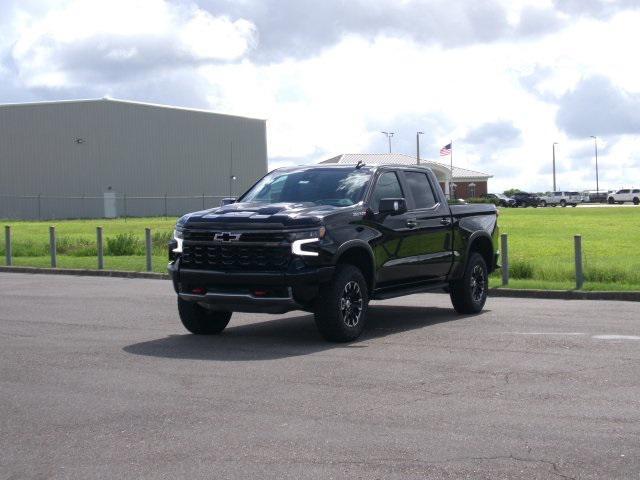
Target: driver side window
{"points": [[387, 186]]}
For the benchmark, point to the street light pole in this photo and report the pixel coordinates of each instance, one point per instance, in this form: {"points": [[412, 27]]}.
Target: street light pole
{"points": [[554, 165], [389, 135], [418, 147], [595, 144]]}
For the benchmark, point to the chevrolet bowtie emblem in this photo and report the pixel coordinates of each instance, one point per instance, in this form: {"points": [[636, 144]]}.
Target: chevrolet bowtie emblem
{"points": [[227, 237]]}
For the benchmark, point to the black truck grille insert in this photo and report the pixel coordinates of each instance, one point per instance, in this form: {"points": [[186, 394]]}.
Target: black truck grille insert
{"points": [[236, 257]]}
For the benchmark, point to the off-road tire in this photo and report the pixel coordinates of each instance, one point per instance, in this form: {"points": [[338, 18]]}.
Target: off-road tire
{"points": [[201, 321], [463, 292], [337, 304]]}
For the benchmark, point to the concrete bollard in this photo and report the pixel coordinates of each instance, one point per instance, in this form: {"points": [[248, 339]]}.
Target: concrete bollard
{"points": [[578, 252], [504, 253], [100, 244], [7, 245], [52, 246], [149, 248]]}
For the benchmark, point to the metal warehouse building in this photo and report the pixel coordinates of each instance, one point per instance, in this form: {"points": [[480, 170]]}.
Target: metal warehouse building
{"points": [[106, 158]]}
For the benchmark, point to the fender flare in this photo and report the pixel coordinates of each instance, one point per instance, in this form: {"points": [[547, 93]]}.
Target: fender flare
{"points": [[360, 244], [472, 239]]}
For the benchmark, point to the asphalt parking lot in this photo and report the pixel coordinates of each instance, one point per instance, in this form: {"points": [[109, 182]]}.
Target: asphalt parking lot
{"points": [[99, 380]]}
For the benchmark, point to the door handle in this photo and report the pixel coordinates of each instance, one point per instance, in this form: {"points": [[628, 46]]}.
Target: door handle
{"points": [[445, 221], [412, 223]]}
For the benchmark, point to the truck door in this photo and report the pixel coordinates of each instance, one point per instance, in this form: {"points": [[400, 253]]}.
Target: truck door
{"points": [[389, 248], [429, 244]]}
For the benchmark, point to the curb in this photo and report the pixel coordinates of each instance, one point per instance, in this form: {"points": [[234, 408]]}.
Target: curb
{"points": [[565, 294], [493, 292], [86, 272]]}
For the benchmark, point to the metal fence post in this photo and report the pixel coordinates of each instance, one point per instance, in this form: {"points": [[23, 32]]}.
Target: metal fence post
{"points": [[504, 252], [39, 207], [100, 248], [578, 251], [125, 207], [203, 201], [165, 206], [7, 245], [147, 237], [52, 246]]}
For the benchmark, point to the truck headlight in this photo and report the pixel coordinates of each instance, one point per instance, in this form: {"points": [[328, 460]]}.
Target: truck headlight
{"points": [[178, 236], [298, 239]]}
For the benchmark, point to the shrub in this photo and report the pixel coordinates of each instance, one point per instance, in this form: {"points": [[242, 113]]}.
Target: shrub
{"points": [[495, 201], [520, 269], [124, 244]]}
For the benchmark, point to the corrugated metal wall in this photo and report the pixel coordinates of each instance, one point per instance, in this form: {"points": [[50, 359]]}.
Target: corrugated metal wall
{"points": [[83, 148]]}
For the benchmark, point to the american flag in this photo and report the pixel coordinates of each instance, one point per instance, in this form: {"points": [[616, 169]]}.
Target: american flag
{"points": [[446, 150]]}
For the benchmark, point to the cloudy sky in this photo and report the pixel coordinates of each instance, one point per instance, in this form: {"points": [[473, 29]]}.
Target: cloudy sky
{"points": [[504, 79]]}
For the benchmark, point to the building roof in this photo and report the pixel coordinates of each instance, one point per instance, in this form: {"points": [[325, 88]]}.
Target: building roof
{"points": [[459, 174], [126, 102]]}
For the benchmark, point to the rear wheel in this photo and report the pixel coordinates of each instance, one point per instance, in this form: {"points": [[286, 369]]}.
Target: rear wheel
{"points": [[469, 294], [636, 201], [341, 307], [574, 205], [543, 203], [202, 321]]}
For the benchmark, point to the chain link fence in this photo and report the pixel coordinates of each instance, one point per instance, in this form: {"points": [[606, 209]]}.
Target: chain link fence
{"points": [[107, 205]]}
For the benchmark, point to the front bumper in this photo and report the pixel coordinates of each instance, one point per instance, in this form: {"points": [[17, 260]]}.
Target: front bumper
{"points": [[235, 291]]}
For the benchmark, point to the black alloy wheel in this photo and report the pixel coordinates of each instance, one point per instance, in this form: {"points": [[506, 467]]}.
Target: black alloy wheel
{"points": [[351, 304]]}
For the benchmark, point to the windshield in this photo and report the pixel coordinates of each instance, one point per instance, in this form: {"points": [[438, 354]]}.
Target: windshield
{"points": [[340, 187]]}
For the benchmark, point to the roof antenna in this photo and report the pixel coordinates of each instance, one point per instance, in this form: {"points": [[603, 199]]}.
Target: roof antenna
{"points": [[360, 164]]}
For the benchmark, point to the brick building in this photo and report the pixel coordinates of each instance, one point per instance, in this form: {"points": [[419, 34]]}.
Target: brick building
{"points": [[465, 183]]}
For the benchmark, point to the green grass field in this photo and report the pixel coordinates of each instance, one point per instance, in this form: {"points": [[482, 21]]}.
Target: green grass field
{"points": [[540, 245]]}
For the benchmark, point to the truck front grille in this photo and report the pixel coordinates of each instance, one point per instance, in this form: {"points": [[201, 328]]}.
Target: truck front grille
{"points": [[236, 257]]}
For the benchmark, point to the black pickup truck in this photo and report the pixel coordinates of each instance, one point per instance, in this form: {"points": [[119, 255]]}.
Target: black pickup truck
{"points": [[327, 239]]}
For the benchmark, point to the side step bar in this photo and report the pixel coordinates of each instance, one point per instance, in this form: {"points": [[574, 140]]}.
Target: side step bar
{"points": [[385, 294]]}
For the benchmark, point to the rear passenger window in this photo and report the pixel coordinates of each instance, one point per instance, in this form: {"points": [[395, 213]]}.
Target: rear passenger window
{"points": [[421, 189]]}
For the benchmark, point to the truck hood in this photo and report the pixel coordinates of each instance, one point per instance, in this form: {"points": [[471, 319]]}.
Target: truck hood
{"points": [[261, 215]]}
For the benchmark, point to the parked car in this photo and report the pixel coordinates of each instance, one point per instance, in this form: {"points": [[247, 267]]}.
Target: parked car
{"points": [[501, 199], [625, 195], [560, 198], [327, 240], [524, 199]]}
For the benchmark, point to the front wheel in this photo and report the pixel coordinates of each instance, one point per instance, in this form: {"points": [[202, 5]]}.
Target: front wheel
{"points": [[610, 201], [636, 201], [469, 294], [563, 203], [341, 307], [202, 321]]}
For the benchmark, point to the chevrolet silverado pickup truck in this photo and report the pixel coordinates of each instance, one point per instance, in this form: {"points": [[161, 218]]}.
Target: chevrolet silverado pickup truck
{"points": [[327, 240]]}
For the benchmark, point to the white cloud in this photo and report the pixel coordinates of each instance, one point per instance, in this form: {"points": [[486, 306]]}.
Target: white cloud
{"points": [[82, 39]]}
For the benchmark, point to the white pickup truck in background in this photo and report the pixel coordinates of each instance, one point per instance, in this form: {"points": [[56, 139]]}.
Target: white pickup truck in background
{"points": [[625, 195], [560, 198]]}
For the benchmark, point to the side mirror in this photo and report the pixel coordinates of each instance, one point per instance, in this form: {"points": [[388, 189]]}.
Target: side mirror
{"points": [[393, 206], [227, 201]]}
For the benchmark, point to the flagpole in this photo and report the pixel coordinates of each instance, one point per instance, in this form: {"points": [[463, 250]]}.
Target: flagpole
{"points": [[451, 171]]}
